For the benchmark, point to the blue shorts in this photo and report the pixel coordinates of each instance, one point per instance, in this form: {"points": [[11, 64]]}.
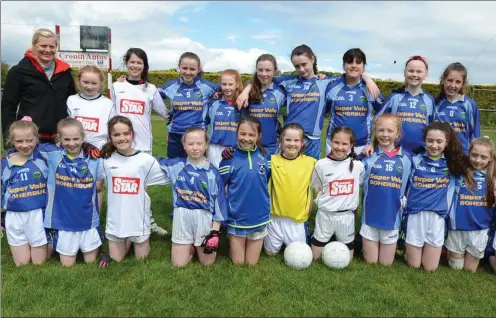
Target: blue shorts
{"points": [[250, 233], [175, 146], [312, 147]]}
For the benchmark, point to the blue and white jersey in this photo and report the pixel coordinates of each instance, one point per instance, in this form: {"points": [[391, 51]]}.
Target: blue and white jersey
{"points": [[222, 120], [463, 116], [246, 176], [24, 186], [431, 187], [306, 102], [72, 202], [415, 113], [469, 211], [187, 102], [196, 187], [352, 106], [267, 112], [384, 184]]}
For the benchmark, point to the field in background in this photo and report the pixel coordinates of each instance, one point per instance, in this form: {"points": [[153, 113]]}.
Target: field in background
{"points": [[153, 288]]}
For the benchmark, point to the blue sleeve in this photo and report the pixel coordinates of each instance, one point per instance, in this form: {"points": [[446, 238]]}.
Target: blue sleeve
{"points": [[4, 182], [385, 106], [206, 114], [377, 104], [45, 150], [220, 201], [163, 89], [431, 116], [475, 133], [225, 170], [282, 81], [164, 164]]}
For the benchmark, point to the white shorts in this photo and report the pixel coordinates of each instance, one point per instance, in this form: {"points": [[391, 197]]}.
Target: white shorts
{"points": [[494, 245], [215, 154], [285, 231], [328, 147], [25, 228], [134, 239], [69, 243], [190, 226], [473, 242], [377, 235], [341, 223], [425, 227]]}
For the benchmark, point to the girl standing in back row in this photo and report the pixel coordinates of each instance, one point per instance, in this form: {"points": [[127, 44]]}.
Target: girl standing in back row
{"points": [[455, 107], [306, 97], [188, 96]]}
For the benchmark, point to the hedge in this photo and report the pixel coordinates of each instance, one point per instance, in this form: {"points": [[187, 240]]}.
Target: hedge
{"points": [[484, 95]]}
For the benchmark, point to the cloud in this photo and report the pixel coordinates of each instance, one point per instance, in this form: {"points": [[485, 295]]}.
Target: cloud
{"points": [[443, 32], [387, 31]]}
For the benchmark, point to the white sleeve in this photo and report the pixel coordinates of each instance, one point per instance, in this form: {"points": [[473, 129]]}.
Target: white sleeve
{"points": [[112, 94], [316, 182], [362, 173], [159, 106], [156, 176], [69, 108]]}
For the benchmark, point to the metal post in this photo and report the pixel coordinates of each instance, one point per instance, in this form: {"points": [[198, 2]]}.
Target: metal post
{"points": [[109, 79]]}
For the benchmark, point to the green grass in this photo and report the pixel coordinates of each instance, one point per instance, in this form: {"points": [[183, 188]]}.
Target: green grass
{"points": [[153, 288]]}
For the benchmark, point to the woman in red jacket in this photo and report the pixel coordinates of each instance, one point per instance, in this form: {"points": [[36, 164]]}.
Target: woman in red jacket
{"points": [[39, 86]]}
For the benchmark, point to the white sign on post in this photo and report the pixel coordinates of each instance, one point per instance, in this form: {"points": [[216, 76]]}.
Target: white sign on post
{"points": [[79, 59]]}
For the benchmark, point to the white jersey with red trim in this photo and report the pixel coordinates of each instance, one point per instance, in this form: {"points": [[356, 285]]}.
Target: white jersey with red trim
{"points": [[339, 188], [94, 114], [136, 103], [128, 205]]}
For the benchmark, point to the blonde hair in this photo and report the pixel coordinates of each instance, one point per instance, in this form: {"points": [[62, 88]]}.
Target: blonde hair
{"points": [[67, 122], [397, 123], [21, 125], [91, 69], [490, 169], [42, 33]]}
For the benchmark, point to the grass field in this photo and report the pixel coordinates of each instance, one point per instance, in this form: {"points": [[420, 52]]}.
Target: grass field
{"points": [[153, 288]]}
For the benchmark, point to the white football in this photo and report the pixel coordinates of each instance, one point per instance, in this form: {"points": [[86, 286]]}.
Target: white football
{"points": [[298, 255], [336, 255]]}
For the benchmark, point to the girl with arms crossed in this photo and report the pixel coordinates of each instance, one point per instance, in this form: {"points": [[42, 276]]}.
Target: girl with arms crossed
{"points": [[430, 194], [246, 177]]}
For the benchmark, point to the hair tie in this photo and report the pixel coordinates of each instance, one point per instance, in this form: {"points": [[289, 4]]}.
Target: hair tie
{"points": [[27, 118]]}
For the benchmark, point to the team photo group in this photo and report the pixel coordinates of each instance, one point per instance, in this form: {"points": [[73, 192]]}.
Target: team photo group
{"points": [[412, 167]]}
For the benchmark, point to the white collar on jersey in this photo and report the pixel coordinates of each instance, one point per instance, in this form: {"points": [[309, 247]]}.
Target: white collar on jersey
{"points": [[205, 165]]}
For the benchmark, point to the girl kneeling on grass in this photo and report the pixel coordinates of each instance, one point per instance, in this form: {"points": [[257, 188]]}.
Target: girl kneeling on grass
{"points": [[72, 206], [24, 195], [290, 191], [127, 173], [337, 179], [471, 213], [384, 185], [430, 194], [246, 176], [198, 199]]}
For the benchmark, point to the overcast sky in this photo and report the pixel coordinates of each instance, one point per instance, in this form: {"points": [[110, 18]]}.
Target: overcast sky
{"points": [[233, 34]]}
